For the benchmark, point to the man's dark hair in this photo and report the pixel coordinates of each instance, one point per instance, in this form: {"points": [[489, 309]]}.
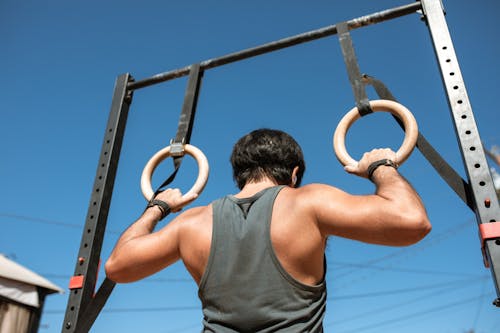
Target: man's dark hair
{"points": [[267, 152]]}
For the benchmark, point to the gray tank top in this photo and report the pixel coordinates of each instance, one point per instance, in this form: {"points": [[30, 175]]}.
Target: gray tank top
{"points": [[244, 287]]}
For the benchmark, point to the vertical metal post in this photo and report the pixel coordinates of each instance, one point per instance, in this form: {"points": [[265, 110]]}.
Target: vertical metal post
{"points": [[34, 321], [82, 284], [486, 204]]}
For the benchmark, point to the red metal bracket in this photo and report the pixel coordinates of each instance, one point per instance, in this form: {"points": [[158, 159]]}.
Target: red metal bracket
{"points": [[488, 231], [76, 282]]}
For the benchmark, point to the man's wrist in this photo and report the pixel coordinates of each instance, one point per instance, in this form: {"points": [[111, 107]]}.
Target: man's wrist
{"points": [[155, 212], [379, 165], [160, 206]]}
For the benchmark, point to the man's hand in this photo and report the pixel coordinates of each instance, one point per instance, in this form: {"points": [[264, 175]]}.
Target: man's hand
{"points": [[174, 198], [361, 169]]}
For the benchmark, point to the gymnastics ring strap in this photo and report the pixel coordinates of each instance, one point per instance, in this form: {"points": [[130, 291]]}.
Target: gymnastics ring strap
{"points": [[186, 121], [409, 122], [353, 72], [447, 173], [197, 188]]}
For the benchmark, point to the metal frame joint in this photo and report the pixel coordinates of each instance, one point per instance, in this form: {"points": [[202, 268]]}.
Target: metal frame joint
{"points": [[488, 231]]}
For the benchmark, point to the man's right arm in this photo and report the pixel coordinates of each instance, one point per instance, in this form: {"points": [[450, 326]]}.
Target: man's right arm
{"points": [[393, 215]]}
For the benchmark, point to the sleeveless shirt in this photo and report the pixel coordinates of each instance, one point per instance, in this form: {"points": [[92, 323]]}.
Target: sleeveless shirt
{"points": [[244, 287]]}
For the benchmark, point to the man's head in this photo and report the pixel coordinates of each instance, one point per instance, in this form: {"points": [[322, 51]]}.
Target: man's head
{"points": [[267, 153]]}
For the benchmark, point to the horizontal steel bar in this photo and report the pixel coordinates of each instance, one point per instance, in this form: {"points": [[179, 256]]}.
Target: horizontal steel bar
{"points": [[280, 44]]}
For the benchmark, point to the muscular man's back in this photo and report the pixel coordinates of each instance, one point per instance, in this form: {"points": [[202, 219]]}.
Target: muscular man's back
{"points": [[296, 238]]}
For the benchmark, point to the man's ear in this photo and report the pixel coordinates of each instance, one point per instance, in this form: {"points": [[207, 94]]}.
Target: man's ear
{"points": [[294, 176]]}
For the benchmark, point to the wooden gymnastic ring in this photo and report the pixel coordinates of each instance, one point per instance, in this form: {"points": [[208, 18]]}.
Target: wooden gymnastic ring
{"points": [[409, 122], [157, 158]]}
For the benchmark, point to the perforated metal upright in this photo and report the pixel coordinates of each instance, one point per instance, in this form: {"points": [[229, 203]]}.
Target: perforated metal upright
{"points": [[83, 282], [483, 192]]}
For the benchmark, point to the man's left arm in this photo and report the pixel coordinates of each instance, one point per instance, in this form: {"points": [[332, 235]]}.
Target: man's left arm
{"points": [[140, 252]]}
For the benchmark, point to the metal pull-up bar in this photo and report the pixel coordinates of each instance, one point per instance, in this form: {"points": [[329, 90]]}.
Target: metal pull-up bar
{"points": [[279, 44]]}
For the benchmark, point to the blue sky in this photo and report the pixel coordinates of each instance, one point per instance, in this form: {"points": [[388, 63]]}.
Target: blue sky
{"points": [[59, 63]]}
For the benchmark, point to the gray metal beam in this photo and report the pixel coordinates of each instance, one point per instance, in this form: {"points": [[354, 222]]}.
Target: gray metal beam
{"points": [[486, 203]]}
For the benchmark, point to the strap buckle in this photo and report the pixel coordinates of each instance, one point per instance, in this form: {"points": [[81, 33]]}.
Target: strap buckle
{"points": [[177, 148]]}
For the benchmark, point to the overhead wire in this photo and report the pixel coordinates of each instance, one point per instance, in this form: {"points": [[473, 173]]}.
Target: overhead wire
{"points": [[435, 309], [147, 280], [150, 309], [50, 222], [398, 291], [403, 270], [479, 307], [448, 288], [426, 243]]}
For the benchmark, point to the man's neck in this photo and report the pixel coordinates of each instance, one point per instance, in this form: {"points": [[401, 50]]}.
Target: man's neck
{"points": [[252, 188]]}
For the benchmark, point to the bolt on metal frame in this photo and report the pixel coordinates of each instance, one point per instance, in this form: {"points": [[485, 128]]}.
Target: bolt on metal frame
{"points": [[84, 306]]}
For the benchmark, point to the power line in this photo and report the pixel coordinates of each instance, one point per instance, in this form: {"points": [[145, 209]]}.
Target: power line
{"points": [[397, 269], [425, 243], [397, 291], [415, 314], [151, 309], [183, 329], [47, 221], [426, 296], [149, 280], [479, 307]]}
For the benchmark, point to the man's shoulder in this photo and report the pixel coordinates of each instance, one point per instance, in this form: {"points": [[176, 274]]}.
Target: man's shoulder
{"points": [[311, 195], [195, 219], [315, 189], [197, 211]]}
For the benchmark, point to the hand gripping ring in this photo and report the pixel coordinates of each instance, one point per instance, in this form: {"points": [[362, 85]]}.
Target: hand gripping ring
{"points": [[157, 158], [409, 122]]}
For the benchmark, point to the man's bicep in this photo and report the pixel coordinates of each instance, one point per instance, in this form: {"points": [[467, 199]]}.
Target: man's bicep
{"points": [[345, 215], [146, 255]]}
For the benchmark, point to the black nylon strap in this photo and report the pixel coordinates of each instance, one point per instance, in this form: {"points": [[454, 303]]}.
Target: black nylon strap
{"points": [[372, 167], [449, 175], [186, 120], [358, 87], [164, 207]]}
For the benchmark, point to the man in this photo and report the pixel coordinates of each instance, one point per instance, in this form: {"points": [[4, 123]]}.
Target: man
{"points": [[258, 256]]}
